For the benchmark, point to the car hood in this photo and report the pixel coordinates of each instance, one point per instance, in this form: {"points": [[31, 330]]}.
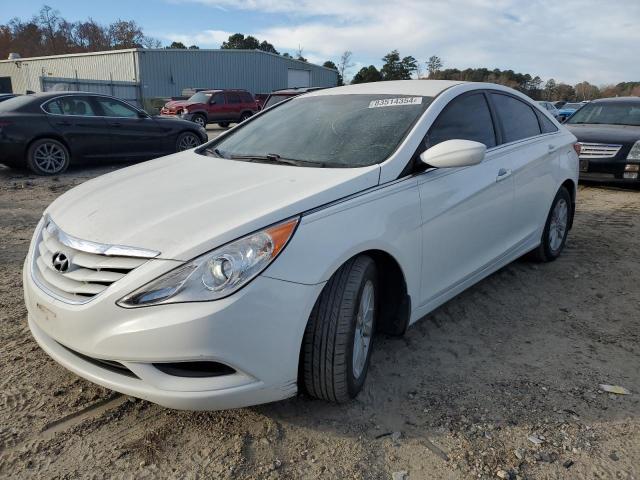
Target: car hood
{"points": [[186, 204], [180, 103], [592, 133]]}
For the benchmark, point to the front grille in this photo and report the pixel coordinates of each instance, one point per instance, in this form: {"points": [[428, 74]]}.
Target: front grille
{"points": [[598, 150], [75, 270]]}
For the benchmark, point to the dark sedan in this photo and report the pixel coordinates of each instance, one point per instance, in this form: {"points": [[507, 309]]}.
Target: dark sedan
{"points": [[46, 132], [6, 96], [609, 133]]}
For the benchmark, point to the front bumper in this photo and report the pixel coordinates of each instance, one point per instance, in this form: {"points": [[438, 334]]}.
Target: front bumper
{"points": [[606, 170], [257, 331]]}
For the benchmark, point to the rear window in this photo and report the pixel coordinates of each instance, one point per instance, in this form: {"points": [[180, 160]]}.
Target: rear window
{"points": [[546, 125], [275, 99], [518, 119]]}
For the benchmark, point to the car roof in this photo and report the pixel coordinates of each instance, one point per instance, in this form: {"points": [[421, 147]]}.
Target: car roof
{"points": [[295, 90], [426, 88], [618, 100]]}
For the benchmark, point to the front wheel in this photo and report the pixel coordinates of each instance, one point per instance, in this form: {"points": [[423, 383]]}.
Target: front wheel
{"points": [[338, 339], [200, 120], [187, 141], [47, 157], [223, 124], [554, 235]]}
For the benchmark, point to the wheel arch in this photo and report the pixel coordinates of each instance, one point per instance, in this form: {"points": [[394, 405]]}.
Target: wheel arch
{"points": [[52, 136]]}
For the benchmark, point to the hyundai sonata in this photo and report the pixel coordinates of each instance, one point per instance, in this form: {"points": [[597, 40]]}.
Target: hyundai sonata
{"points": [[263, 262]]}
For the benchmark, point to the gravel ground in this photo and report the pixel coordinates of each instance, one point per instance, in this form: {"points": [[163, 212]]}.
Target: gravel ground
{"points": [[500, 382]]}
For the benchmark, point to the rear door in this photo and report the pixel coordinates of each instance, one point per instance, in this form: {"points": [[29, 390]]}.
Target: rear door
{"points": [[134, 134], [234, 106], [467, 211], [531, 159], [75, 117]]}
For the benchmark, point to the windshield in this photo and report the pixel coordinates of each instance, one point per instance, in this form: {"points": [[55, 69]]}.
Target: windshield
{"points": [[609, 113], [572, 106], [326, 130], [200, 97], [275, 99], [15, 103]]}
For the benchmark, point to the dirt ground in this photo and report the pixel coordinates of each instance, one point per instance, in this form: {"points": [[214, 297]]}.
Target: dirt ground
{"points": [[519, 355]]}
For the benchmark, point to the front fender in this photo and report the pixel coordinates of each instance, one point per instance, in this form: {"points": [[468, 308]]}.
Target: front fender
{"points": [[385, 218]]}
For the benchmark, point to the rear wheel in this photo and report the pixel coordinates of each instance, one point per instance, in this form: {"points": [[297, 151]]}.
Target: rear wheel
{"points": [[200, 120], [47, 157], [338, 339], [556, 229], [187, 141], [244, 116]]}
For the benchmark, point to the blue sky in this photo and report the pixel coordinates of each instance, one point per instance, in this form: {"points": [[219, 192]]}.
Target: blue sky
{"points": [[569, 40]]}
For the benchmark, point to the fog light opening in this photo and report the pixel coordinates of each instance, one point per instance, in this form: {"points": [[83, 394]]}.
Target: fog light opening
{"points": [[195, 369]]}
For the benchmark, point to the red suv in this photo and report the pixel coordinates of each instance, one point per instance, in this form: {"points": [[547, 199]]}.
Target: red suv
{"points": [[213, 106]]}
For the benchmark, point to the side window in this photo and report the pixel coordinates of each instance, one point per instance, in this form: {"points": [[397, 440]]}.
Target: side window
{"points": [[517, 118], [217, 99], [546, 125], [246, 97], [115, 108], [77, 106], [465, 118], [233, 98]]}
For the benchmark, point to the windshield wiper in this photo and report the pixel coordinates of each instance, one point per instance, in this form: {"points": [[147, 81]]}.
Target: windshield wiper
{"points": [[275, 158]]}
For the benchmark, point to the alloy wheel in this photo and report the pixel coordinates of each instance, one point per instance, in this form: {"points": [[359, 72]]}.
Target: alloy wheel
{"points": [[188, 142], [558, 224], [364, 328], [50, 157]]}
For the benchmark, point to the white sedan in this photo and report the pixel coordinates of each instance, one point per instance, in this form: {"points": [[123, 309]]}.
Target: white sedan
{"points": [[263, 262]]}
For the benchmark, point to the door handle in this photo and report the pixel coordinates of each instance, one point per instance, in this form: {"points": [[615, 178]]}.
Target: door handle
{"points": [[115, 124], [64, 123], [503, 173]]}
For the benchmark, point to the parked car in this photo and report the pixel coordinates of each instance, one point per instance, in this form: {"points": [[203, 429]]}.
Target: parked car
{"points": [[608, 130], [559, 104], [6, 96], [261, 98], [48, 131], [278, 96], [567, 110], [213, 106], [550, 108], [263, 262]]}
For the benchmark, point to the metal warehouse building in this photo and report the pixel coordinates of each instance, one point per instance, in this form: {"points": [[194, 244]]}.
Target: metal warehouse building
{"points": [[148, 76]]}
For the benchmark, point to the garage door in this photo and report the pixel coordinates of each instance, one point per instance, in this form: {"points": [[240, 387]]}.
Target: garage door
{"points": [[299, 78]]}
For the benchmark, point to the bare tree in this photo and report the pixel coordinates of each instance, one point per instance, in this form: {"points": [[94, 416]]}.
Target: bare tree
{"points": [[433, 65], [345, 63]]}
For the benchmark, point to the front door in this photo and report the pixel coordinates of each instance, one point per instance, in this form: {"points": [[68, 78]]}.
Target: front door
{"points": [[467, 211], [134, 134]]}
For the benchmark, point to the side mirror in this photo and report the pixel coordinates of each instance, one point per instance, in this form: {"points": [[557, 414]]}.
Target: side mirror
{"points": [[454, 153], [143, 115]]}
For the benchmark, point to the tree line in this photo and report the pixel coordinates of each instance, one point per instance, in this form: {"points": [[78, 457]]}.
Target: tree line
{"points": [[47, 33]]}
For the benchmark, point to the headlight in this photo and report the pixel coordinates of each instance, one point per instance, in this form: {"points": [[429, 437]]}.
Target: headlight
{"points": [[634, 153], [216, 274]]}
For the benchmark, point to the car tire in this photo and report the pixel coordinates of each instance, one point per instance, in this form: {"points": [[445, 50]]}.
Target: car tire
{"points": [[554, 235], [244, 116], [338, 339], [47, 156], [223, 124], [200, 120], [187, 141]]}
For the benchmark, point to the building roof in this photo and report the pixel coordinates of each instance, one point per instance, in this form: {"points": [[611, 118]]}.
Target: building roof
{"points": [[164, 50]]}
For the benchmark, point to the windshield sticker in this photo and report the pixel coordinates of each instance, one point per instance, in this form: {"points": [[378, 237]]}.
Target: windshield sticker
{"points": [[395, 102]]}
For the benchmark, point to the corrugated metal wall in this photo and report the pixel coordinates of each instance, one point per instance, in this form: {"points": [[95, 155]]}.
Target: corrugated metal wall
{"points": [[165, 73], [26, 73]]}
